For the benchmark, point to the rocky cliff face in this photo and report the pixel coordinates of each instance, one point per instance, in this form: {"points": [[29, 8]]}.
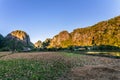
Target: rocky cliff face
{"points": [[63, 39], [19, 35], [102, 33], [17, 39], [38, 44]]}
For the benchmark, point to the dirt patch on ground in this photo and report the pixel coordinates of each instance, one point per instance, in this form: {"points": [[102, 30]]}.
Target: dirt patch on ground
{"points": [[93, 73]]}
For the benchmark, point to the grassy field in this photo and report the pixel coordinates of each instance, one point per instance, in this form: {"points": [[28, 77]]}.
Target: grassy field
{"points": [[57, 66]]}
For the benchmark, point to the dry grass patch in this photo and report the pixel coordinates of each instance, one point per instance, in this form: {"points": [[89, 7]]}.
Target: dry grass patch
{"points": [[93, 73], [4, 54]]}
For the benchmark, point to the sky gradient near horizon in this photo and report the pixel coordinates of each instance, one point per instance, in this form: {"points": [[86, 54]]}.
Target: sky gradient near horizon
{"points": [[43, 19]]}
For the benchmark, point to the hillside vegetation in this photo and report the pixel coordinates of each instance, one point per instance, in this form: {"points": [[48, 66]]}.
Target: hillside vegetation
{"points": [[16, 40], [1, 39], [102, 33]]}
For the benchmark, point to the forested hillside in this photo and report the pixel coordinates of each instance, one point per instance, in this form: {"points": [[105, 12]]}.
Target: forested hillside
{"points": [[102, 33], [16, 40]]}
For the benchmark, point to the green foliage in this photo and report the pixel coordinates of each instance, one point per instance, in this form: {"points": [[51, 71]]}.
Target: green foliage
{"points": [[106, 47], [104, 33], [1, 39], [13, 44], [24, 69], [46, 43], [66, 43], [16, 41]]}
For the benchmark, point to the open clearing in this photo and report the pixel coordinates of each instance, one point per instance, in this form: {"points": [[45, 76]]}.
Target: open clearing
{"points": [[57, 66]]}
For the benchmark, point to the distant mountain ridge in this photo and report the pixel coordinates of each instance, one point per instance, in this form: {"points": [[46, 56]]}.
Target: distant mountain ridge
{"points": [[17, 40], [102, 33]]}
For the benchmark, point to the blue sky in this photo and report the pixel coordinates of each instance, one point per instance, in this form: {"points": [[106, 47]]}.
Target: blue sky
{"points": [[43, 19]]}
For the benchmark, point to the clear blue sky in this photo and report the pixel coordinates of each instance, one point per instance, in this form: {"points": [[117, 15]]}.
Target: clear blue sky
{"points": [[43, 19]]}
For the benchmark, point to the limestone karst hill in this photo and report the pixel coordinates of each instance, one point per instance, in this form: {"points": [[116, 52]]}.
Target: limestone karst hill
{"points": [[102, 33], [18, 40]]}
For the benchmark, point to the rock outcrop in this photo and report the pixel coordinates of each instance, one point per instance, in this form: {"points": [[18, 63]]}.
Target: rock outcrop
{"points": [[63, 39], [102, 33], [18, 40], [20, 36], [38, 44]]}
